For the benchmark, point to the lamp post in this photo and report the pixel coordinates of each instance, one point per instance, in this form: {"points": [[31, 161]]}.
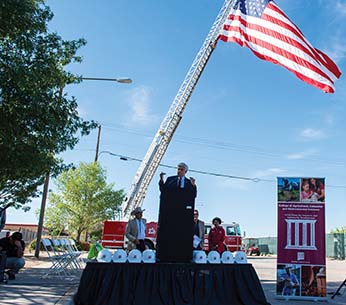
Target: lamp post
{"points": [[117, 80], [46, 182]]}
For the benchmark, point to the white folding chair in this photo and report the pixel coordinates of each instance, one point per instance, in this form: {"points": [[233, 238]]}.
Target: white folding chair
{"points": [[72, 250], [63, 250], [59, 261]]}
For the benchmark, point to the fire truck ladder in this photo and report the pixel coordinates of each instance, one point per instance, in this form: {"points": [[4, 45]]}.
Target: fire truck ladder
{"points": [[172, 119]]}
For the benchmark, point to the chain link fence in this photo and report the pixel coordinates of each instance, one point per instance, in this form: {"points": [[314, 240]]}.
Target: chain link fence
{"points": [[335, 245]]}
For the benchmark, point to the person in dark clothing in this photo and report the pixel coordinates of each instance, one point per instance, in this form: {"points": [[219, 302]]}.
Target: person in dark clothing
{"points": [[198, 234], [13, 247], [175, 229]]}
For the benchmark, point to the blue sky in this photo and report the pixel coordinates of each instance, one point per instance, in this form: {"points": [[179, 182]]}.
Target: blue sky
{"points": [[246, 117]]}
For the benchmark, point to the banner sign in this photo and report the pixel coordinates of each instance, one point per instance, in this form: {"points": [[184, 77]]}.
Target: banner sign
{"points": [[301, 253]]}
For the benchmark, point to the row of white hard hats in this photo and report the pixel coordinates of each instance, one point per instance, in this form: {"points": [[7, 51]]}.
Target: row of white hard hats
{"points": [[213, 257], [120, 256], [149, 256]]}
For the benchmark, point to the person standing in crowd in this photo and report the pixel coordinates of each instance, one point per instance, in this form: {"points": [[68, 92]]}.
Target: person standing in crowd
{"points": [[216, 236], [175, 228], [135, 230], [13, 247], [198, 237]]}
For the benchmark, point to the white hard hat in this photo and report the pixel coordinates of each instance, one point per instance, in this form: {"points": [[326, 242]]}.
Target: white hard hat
{"points": [[104, 256], [199, 257], [214, 257], [120, 256], [227, 257], [240, 257], [148, 256], [135, 256]]}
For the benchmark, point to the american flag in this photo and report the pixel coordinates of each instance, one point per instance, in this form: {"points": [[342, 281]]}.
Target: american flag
{"points": [[261, 26]]}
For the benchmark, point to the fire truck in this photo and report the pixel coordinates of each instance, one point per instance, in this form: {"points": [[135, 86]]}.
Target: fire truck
{"points": [[113, 235]]}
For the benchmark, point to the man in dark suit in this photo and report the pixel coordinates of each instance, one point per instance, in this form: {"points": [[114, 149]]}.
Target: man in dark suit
{"points": [[199, 230], [176, 226]]}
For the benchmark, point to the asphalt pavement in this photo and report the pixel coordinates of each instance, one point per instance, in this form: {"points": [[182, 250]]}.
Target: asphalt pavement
{"points": [[33, 286]]}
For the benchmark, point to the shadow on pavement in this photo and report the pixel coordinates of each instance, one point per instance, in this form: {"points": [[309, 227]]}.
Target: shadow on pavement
{"points": [[269, 288], [35, 285]]}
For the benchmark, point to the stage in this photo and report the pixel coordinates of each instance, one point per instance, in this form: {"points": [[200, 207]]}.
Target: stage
{"points": [[169, 284]]}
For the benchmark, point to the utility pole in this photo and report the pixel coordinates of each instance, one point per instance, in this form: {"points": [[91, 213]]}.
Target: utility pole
{"points": [[43, 203], [46, 181], [98, 142], [42, 210]]}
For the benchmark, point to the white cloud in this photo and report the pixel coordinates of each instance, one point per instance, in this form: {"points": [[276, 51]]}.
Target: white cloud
{"points": [[312, 134], [340, 7], [140, 100], [296, 156], [302, 155], [337, 50], [246, 185], [270, 172]]}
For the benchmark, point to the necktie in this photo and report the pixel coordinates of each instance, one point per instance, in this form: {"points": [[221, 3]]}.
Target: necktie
{"points": [[178, 184]]}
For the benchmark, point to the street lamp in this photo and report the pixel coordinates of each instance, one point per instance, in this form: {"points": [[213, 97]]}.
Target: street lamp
{"points": [[117, 80], [46, 182]]}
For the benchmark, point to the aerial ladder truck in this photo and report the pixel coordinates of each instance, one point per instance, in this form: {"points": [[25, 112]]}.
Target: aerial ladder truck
{"points": [[113, 235], [165, 133]]}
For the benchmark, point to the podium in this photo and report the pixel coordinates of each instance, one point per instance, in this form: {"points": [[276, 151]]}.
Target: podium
{"points": [[175, 234]]}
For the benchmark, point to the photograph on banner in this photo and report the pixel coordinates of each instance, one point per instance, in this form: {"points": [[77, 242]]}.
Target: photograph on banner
{"points": [[288, 189], [312, 190], [288, 280], [313, 281]]}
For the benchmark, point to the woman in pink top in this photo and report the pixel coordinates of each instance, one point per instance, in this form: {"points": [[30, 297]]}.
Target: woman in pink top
{"points": [[306, 193]]}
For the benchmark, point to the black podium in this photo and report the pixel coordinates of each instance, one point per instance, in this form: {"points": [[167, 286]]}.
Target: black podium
{"points": [[175, 227]]}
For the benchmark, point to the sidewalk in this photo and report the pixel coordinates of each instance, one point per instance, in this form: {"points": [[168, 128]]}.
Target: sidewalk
{"points": [[31, 286]]}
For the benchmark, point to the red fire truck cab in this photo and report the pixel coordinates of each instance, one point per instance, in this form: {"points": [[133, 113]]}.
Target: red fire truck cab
{"points": [[113, 235], [233, 238]]}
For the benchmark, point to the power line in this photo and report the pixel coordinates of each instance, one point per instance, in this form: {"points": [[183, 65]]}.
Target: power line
{"points": [[127, 158], [253, 179]]}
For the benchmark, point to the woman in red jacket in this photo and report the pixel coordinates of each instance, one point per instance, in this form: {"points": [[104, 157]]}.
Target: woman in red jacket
{"points": [[216, 236]]}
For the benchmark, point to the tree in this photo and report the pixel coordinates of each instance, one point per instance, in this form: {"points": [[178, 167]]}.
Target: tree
{"points": [[339, 230], [37, 121], [83, 198]]}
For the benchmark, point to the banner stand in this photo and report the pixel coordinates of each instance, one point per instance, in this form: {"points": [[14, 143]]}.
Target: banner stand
{"points": [[301, 258]]}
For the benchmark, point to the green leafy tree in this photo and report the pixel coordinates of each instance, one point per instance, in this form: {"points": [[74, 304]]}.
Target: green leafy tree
{"points": [[339, 230], [37, 120], [83, 198]]}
